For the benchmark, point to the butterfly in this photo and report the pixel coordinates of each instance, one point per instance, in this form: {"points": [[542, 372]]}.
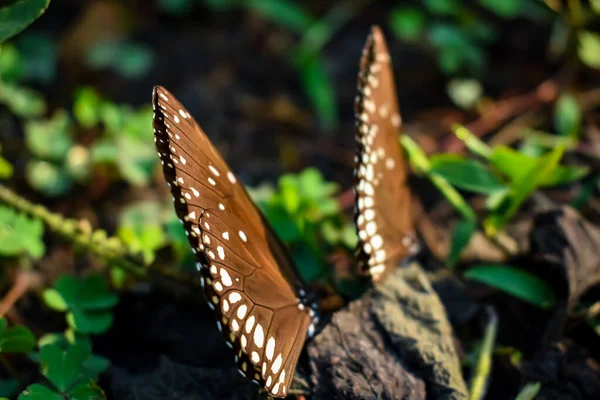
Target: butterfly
{"points": [[262, 307], [382, 202]]}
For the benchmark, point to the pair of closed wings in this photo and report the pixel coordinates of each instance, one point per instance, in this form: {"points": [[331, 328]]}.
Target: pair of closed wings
{"points": [[248, 277]]}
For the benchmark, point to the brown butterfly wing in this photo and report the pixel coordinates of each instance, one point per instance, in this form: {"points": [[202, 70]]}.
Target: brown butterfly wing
{"points": [[383, 215], [249, 279]]}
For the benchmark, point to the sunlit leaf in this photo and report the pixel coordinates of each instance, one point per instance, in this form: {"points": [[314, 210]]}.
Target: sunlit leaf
{"points": [[87, 107], [464, 173], [20, 234], [589, 48], [6, 169], [54, 300], [567, 116], [48, 178], [50, 139], [515, 165], [514, 281], [19, 15], [22, 101], [521, 189], [12, 66]]}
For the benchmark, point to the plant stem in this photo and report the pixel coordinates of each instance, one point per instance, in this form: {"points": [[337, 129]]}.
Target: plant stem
{"points": [[419, 160], [80, 233], [483, 366], [323, 30]]}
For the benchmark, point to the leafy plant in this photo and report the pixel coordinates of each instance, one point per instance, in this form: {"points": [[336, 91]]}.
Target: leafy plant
{"points": [[66, 375], [87, 302], [141, 230], [305, 215], [516, 282], [127, 139], [17, 16], [20, 235], [16, 339]]}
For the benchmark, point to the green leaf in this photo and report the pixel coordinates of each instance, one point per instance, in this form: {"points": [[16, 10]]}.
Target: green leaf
{"points": [[11, 63], [90, 322], [515, 165], [504, 8], [407, 23], [464, 92], [54, 300], [318, 86], [289, 193], [522, 189], [6, 169], [140, 230], [68, 287], [49, 139], [589, 48], [87, 107], [443, 7], [63, 367], [136, 160], [460, 238], [16, 339], [567, 116], [87, 390], [39, 392], [308, 264], [95, 295], [286, 13], [20, 234], [19, 15], [514, 281], [23, 102], [418, 158], [467, 174], [48, 178], [529, 391]]}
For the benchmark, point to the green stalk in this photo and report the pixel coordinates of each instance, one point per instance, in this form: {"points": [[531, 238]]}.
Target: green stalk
{"points": [[419, 160], [472, 142], [483, 366], [81, 234]]}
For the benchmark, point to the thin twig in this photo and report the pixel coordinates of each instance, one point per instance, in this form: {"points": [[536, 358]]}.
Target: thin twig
{"points": [[504, 110], [21, 285]]}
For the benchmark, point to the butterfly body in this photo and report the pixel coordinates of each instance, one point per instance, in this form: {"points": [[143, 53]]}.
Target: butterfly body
{"points": [[249, 280]]}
